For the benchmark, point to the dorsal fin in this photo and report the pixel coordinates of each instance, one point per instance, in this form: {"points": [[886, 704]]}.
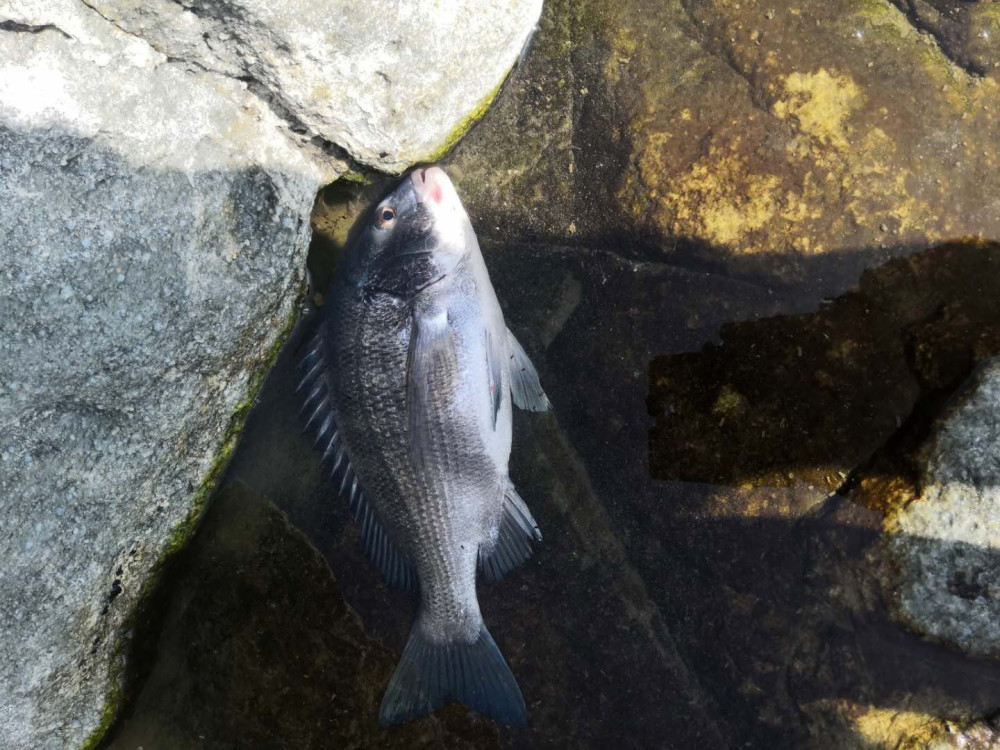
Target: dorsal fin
{"points": [[512, 546], [317, 412]]}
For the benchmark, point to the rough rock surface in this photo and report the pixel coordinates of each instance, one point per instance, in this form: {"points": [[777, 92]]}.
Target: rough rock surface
{"points": [[154, 225], [828, 127], [390, 83], [945, 545], [981, 735]]}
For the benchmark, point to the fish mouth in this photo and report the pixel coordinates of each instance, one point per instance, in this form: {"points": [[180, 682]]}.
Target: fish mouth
{"points": [[431, 185]]}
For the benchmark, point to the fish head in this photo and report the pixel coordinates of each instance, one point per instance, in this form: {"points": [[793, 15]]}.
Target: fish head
{"points": [[415, 236]]}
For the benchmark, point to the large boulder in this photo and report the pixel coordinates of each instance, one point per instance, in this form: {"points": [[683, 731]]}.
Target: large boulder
{"points": [[154, 228], [391, 84], [154, 212]]}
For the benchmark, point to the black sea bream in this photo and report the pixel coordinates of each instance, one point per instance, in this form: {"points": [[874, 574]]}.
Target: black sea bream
{"points": [[409, 386]]}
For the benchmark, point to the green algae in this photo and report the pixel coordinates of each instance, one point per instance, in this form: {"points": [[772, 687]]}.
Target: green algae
{"points": [[111, 707], [465, 124], [354, 176]]}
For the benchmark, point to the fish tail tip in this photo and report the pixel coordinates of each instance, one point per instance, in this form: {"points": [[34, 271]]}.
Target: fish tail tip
{"points": [[430, 674]]}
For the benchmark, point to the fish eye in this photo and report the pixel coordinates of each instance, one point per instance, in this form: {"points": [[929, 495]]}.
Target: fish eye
{"points": [[386, 215]]}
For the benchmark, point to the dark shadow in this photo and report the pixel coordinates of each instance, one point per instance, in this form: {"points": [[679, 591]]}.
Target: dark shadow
{"points": [[812, 397]]}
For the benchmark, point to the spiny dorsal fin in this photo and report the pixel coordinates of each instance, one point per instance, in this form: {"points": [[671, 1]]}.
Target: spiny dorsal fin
{"points": [[512, 546], [396, 569], [524, 386]]}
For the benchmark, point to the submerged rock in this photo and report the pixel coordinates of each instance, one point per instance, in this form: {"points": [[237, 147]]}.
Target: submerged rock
{"points": [[944, 546], [390, 84]]}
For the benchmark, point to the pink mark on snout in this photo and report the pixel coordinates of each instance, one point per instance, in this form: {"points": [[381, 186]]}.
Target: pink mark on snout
{"points": [[429, 184]]}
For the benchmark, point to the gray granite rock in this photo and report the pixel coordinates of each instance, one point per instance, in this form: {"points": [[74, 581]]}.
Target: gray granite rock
{"points": [[390, 83], [981, 735], [153, 226], [945, 546]]}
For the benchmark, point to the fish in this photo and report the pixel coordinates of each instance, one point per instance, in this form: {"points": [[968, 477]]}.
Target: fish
{"points": [[408, 388]]}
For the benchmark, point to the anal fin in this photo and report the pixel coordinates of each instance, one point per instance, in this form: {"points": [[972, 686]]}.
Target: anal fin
{"points": [[518, 529]]}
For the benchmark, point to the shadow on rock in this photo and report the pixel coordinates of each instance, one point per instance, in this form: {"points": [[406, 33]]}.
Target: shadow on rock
{"points": [[812, 397]]}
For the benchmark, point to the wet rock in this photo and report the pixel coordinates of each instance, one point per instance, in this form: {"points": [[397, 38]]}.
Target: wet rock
{"points": [[390, 85], [778, 133], [793, 144], [968, 33], [259, 650], [154, 230], [800, 143], [943, 546]]}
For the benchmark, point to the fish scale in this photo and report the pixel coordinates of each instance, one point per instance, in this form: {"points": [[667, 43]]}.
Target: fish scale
{"points": [[415, 378]]}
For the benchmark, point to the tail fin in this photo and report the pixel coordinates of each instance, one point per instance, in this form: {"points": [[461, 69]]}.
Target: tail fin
{"points": [[431, 674]]}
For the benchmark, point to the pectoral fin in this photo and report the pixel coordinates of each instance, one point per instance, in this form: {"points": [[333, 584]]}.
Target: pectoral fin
{"points": [[524, 386], [494, 370], [432, 367]]}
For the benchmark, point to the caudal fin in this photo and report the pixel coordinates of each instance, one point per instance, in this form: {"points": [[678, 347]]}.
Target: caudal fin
{"points": [[431, 674]]}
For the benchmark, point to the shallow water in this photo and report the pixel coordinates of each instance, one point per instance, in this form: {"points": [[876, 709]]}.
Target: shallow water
{"points": [[698, 586]]}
